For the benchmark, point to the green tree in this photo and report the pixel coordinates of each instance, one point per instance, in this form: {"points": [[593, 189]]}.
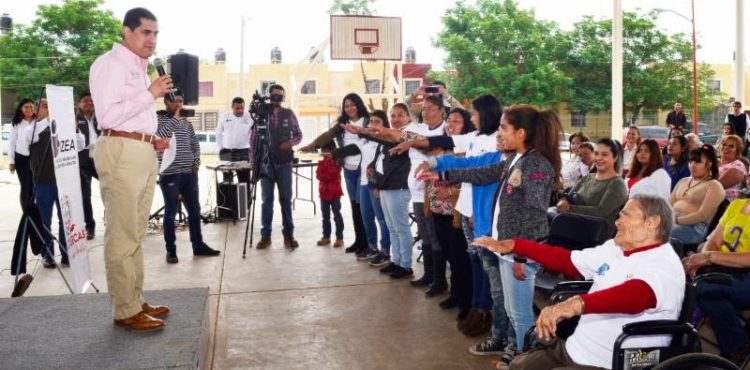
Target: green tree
{"points": [[657, 67], [496, 48], [354, 7], [57, 48]]}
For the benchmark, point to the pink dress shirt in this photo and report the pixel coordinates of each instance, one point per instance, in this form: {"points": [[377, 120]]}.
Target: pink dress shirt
{"points": [[119, 86]]}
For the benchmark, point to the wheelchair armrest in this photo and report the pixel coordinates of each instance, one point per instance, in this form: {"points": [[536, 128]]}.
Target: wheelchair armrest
{"points": [[722, 269], [712, 276], [574, 286], [656, 327], [566, 289]]}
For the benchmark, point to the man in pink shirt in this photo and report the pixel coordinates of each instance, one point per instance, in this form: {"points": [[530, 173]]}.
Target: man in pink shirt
{"points": [[125, 159]]}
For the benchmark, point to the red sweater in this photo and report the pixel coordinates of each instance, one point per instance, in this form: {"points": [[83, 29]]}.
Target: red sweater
{"points": [[329, 179], [631, 297]]}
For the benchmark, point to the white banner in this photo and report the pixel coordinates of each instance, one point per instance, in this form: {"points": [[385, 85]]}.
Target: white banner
{"points": [[65, 157]]}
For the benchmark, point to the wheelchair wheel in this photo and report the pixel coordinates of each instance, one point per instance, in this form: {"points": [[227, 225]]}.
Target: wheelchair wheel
{"points": [[696, 361]]}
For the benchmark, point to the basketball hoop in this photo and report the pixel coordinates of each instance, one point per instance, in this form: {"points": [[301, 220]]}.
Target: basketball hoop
{"points": [[365, 38]]}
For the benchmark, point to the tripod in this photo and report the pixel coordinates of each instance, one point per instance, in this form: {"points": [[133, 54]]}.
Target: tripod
{"points": [[260, 159]]}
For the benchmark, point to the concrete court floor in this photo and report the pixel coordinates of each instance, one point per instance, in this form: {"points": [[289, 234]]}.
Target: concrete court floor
{"points": [[312, 308]]}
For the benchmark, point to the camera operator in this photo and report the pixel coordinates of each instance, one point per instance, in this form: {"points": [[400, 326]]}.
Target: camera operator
{"points": [[233, 138], [178, 175], [275, 156], [416, 99]]}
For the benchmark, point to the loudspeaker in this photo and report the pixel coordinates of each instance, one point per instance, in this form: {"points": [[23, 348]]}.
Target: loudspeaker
{"points": [[231, 201], [183, 68]]}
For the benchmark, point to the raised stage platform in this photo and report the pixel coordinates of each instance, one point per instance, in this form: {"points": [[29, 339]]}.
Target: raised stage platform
{"points": [[76, 332]]}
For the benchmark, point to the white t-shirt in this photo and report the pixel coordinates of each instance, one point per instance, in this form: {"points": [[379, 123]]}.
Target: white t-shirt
{"points": [[628, 155], [368, 149], [416, 157], [351, 162], [593, 341], [473, 145], [234, 132], [659, 183]]}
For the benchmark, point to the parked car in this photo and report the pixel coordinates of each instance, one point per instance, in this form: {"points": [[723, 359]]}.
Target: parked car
{"points": [[658, 133], [207, 141]]}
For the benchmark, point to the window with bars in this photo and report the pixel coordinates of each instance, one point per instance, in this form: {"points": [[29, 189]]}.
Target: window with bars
{"points": [[372, 87], [410, 86], [714, 86], [577, 119], [206, 89], [264, 85], [309, 87]]}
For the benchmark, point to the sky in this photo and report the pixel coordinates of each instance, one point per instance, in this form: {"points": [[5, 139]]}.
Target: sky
{"points": [[201, 27]]}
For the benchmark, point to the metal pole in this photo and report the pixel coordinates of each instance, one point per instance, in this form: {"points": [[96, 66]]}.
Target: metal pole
{"points": [[242, 57], [617, 98], [739, 53], [695, 76]]}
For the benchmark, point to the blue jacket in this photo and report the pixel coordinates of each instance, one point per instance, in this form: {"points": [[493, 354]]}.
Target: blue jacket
{"points": [[482, 196]]}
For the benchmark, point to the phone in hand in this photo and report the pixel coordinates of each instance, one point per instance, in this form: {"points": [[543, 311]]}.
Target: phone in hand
{"points": [[187, 112], [433, 89]]}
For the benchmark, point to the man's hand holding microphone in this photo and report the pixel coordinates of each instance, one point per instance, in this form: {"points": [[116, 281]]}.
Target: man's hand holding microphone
{"points": [[159, 88]]}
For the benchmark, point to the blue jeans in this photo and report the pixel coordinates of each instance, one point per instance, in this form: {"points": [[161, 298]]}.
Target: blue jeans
{"points": [[480, 283], [45, 197], [351, 179], [519, 296], [395, 204], [691, 234], [491, 266], [723, 305], [371, 209], [187, 185], [282, 177], [326, 206]]}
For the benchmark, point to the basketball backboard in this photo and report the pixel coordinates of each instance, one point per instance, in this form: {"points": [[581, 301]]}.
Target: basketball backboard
{"points": [[357, 37]]}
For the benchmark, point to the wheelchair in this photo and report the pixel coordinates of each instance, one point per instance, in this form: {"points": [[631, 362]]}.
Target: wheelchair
{"points": [[683, 353]]}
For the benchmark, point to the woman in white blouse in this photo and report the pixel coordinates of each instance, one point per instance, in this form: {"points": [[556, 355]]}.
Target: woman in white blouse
{"points": [[632, 139], [646, 173], [18, 153], [571, 170]]}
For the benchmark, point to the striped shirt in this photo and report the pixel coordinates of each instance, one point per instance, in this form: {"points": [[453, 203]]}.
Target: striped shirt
{"points": [[188, 154]]}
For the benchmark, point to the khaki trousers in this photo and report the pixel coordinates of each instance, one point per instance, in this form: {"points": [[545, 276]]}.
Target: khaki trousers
{"points": [[127, 178], [552, 356]]}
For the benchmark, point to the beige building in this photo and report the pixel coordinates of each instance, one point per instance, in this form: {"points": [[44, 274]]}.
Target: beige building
{"points": [[313, 91]]}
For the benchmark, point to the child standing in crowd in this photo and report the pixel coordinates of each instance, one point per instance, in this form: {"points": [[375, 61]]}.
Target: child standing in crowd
{"points": [[328, 174]]}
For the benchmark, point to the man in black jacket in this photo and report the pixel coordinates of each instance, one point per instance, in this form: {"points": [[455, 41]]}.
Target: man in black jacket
{"points": [[87, 125]]}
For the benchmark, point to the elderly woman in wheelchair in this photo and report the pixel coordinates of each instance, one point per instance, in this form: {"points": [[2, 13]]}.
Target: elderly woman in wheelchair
{"points": [[727, 250], [636, 277]]}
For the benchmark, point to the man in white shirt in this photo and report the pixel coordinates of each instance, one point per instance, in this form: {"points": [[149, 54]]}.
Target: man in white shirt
{"points": [[233, 137], [87, 125]]}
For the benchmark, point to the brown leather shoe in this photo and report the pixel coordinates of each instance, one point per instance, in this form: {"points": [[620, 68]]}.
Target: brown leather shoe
{"points": [[155, 311], [264, 242], [140, 322]]}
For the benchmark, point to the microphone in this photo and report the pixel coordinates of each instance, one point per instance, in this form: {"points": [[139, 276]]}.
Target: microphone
{"points": [[159, 64]]}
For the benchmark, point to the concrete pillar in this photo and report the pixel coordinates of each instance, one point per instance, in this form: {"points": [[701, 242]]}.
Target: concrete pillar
{"points": [[739, 53], [617, 99]]}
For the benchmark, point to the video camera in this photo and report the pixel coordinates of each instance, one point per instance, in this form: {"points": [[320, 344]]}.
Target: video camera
{"points": [[261, 106]]}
